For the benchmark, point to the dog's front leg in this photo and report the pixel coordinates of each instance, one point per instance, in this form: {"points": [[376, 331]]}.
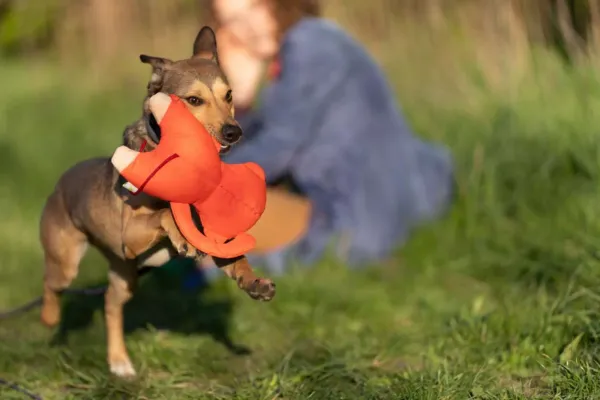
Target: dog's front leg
{"points": [[239, 269], [142, 231], [122, 282]]}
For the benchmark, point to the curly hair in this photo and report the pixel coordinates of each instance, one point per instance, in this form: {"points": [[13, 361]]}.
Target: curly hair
{"points": [[287, 12]]}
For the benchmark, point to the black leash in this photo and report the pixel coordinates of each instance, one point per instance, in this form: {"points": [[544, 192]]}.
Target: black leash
{"points": [[97, 291], [19, 389], [38, 301]]}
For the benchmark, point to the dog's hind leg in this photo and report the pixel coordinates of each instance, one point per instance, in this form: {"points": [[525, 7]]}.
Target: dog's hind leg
{"points": [[239, 269], [122, 279], [64, 246]]}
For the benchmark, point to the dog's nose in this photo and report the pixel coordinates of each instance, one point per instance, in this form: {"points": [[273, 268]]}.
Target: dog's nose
{"points": [[231, 133]]}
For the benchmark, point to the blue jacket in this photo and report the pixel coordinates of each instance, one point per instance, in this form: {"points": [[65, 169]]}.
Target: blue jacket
{"points": [[332, 123]]}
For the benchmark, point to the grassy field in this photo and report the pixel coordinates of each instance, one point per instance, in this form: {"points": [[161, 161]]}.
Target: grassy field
{"points": [[500, 300]]}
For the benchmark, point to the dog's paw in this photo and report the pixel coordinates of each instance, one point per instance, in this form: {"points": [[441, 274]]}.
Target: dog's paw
{"points": [[122, 368], [187, 250], [261, 289]]}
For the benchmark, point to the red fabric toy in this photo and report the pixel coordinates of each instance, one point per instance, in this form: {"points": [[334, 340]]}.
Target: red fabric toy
{"points": [[185, 169]]}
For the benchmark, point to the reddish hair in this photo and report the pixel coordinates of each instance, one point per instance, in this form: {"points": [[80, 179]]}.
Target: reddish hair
{"points": [[287, 12]]}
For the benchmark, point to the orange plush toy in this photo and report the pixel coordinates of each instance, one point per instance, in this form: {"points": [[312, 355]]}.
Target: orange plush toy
{"points": [[185, 169]]}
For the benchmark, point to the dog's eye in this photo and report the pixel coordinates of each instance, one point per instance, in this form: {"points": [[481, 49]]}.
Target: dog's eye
{"points": [[228, 97], [195, 101]]}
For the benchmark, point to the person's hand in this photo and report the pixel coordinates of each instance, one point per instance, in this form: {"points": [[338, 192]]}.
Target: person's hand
{"points": [[243, 70]]}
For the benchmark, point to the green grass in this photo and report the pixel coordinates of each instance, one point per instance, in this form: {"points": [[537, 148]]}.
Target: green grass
{"points": [[500, 300]]}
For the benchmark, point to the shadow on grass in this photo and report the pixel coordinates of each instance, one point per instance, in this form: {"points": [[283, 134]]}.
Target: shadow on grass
{"points": [[161, 303]]}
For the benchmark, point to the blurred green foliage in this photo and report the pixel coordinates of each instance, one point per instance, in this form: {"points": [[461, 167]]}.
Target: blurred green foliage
{"points": [[26, 25]]}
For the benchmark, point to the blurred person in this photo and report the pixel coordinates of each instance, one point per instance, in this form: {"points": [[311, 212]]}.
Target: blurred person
{"points": [[342, 165]]}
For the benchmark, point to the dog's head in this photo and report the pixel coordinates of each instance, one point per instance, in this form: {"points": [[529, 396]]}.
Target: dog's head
{"points": [[201, 84]]}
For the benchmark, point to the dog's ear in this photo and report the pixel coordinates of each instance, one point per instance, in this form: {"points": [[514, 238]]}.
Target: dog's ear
{"points": [[159, 65], [205, 45]]}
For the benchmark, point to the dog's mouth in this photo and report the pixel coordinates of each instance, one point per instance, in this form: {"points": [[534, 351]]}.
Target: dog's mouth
{"points": [[154, 132], [224, 148]]}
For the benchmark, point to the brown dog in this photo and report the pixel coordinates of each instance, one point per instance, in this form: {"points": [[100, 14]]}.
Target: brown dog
{"points": [[89, 205]]}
